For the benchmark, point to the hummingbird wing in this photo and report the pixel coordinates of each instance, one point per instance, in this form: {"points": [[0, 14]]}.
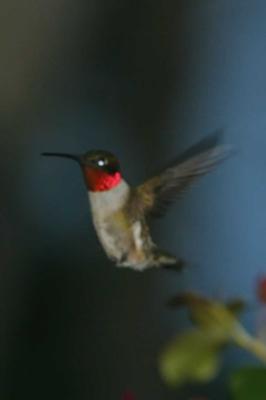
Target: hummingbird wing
{"points": [[154, 195]]}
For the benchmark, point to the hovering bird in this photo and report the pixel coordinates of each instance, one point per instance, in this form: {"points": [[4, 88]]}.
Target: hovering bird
{"points": [[120, 212]]}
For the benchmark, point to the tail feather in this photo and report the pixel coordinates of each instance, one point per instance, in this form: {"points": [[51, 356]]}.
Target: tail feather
{"points": [[163, 259], [157, 258]]}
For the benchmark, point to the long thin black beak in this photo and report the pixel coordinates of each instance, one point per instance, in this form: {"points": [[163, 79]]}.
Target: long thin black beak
{"points": [[74, 157]]}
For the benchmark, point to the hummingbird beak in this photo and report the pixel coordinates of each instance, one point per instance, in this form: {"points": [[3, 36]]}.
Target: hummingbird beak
{"points": [[75, 157]]}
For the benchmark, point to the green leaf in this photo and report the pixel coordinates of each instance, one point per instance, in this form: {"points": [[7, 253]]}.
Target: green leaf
{"points": [[190, 357], [194, 356], [210, 315], [249, 384], [216, 317]]}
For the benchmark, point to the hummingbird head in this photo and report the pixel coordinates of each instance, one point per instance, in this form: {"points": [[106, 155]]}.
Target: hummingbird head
{"points": [[101, 169]]}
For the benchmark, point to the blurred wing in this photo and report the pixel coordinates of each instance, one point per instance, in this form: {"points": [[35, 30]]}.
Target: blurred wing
{"points": [[154, 195]]}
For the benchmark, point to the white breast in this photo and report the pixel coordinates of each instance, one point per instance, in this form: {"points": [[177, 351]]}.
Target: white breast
{"points": [[104, 205], [107, 202]]}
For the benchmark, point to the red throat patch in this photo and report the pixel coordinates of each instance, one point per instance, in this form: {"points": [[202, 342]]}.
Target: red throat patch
{"points": [[99, 181]]}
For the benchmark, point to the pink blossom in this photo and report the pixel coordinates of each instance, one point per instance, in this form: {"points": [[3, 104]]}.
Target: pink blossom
{"points": [[128, 396], [261, 289]]}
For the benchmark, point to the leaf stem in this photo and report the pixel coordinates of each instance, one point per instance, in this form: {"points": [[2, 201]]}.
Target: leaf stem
{"points": [[251, 344]]}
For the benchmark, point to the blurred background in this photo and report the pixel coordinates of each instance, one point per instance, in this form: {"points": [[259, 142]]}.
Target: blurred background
{"points": [[145, 80]]}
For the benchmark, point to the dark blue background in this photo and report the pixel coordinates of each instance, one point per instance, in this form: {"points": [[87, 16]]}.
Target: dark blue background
{"points": [[144, 79]]}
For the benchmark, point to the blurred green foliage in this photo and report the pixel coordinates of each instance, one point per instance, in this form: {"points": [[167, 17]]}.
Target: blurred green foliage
{"points": [[248, 384], [194, 356]]}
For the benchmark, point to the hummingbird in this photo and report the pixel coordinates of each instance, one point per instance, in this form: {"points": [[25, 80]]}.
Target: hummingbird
{"points": [[121, 213]]}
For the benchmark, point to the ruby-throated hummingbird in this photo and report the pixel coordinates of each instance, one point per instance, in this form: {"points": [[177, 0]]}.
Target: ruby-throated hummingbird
{"points": [[120, 212]]}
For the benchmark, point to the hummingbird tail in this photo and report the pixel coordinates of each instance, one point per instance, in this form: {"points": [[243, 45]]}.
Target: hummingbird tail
{"points": [[165, 260]]}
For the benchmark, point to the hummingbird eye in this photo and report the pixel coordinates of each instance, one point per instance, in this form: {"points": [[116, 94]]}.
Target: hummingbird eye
{"points": [[101, 162]]}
